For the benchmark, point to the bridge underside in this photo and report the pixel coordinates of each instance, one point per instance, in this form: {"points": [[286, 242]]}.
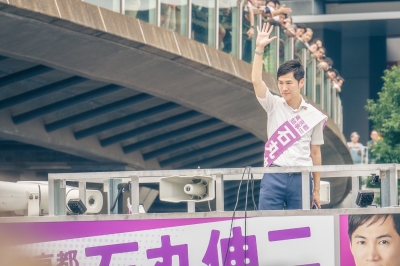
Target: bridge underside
{"points": [[85, 89]]}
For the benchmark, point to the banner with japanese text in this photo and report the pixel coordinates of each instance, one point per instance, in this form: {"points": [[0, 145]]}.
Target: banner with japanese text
{"points": [[370, 239], [287, 240]]}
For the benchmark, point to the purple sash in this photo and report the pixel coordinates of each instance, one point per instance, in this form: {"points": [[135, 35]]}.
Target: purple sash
{"points": [[287, 134]]}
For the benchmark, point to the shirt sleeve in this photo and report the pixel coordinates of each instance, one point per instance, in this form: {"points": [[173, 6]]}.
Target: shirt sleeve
{"points": [[317, 137], [269, 102]]}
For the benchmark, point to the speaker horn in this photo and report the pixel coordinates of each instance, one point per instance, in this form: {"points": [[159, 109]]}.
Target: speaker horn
{"points": [[187, 188]]}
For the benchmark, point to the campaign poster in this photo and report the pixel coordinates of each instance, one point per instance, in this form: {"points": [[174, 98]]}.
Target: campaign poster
{"points": [[284, 240], [370, 239]]}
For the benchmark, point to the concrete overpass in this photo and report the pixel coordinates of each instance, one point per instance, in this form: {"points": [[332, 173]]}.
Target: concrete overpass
{"points": [[103, 91]]}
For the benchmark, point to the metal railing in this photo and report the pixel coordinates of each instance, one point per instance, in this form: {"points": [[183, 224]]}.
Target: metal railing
{"points": [[388, 174], [208, 21]]}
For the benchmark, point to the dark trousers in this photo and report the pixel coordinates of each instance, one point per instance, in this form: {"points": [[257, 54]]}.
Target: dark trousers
{"points": [[281, 191]]}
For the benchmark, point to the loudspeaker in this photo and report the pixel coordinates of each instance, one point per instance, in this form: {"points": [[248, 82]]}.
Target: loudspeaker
{"points": [[187, 188], [365, 198], [325, 192]]}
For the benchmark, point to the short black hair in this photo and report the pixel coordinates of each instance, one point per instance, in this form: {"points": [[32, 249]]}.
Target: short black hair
{"points": [[356, 220], [317, 39], [333, 70], [312, 42], [329, 61], [291, 66], [276, 2], [301, 26], [319, 48]]}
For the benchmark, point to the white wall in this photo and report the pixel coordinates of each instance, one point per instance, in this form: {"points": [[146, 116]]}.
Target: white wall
{"points": [[362, 7], [393, 50]]}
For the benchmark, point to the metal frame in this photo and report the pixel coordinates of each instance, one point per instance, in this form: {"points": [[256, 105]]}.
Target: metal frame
{"points": [[291, 48], [333, 108], [389, 174], [122, 6], [216, 20], [336, 112], [158, 13], [240, 30], [277, 34], [328, 100], [322, 90], [189, 19]]}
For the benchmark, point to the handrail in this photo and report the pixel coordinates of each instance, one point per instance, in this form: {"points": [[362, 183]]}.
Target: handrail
{"points": [[211, 24], [388, 173]]}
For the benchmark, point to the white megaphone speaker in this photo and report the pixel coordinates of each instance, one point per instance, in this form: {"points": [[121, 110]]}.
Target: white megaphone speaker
{"points": [[325, 192], [33, 197], [187, 188]]}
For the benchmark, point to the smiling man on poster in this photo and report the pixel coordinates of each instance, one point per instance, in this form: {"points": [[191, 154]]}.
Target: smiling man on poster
{"points": [[375, 239], [294, 130]]}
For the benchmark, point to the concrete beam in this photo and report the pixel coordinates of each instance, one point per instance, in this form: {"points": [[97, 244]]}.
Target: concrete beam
{"points": [[95, 43], [33, 132]]}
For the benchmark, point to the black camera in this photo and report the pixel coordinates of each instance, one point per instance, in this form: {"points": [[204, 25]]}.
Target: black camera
{"points": [[375, 179]]}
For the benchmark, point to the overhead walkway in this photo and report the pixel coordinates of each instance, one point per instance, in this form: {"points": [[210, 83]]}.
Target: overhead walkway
{"points": [[81, 81]]}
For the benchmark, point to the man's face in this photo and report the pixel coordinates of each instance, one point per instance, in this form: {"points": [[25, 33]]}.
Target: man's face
{"points": [[354, 138], [289, 87], [319, 53], [299, 32], [306, 37], [374, 136], [376, 244], [271, 4], [332, 75], [281, 19], [313, 47]]}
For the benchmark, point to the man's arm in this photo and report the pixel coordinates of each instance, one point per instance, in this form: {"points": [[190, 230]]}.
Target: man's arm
{"points": [[256, 75], [282, 10], [317, 160], [275, 12], [250, 32]]}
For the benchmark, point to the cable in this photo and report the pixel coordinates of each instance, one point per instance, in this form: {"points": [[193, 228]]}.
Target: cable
{"points": [[252, 192], [245, 211], [233, 215], [209, 206]]}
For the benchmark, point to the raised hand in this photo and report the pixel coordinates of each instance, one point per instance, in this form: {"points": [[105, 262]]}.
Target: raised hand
{"points": [[263, 38], [285, 10]]}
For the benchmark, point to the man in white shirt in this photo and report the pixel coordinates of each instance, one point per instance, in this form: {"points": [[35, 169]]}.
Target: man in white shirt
{"points": [[279, 190]]}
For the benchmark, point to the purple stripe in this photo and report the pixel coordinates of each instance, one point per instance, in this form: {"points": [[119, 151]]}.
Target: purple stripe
{"points": [[27, 233], [287, 234], [312, 264], [291, 137]]}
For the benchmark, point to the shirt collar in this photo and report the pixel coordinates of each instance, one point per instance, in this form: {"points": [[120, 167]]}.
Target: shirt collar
{"points": [[303, 105]]}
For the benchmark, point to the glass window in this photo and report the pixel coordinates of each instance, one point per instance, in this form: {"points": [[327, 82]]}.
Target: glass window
{"points": [[328, 96], [113, 5], [250, 19], [228, 31], [288, 53], [270, 58], [173, 16], [203, 21], [132, 7], [141, 9]]}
